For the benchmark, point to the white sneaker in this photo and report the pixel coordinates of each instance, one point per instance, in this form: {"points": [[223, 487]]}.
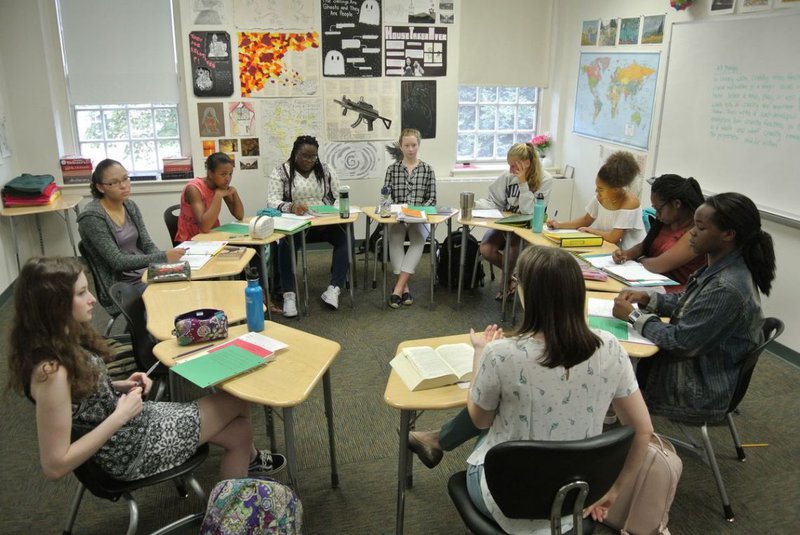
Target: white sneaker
{"points": [[331, 297], [289, 305]]}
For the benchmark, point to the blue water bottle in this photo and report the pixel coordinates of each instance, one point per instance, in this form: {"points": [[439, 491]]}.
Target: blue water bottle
{"points": [[254, 302], [538, 213]]}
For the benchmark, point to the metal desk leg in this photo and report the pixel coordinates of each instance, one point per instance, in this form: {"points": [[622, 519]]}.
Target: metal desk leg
{"points": [[366, 254], [433, 261], [293, 252], [509, 237], [16, 243], [449, 252], [385, 240], [291, 454], [462, 259], [69, 230], [403, 468], [305, 271], [263, 252], [39, 230], [326, 392], [352, 260]]}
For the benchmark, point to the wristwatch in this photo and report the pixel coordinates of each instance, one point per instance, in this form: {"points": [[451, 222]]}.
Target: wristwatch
{"points": [[633, 316]]}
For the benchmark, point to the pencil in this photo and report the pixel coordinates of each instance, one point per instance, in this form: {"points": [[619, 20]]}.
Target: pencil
{"points": [[195, 350], [755, 445], [153, 367]]}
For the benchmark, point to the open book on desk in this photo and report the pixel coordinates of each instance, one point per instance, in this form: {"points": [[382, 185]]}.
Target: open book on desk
{"points": [[423, 367], [631, 273], [198, 253], [600, 317], [229, 359]]}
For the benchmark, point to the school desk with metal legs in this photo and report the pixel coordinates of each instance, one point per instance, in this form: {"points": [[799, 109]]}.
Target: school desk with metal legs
{"points": [[60, 207], [284, 383], [433, 220], [398, 396], [220, 268]]}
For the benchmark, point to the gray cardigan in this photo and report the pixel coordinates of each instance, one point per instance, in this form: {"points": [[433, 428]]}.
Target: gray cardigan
{"points": [[108, 261]]}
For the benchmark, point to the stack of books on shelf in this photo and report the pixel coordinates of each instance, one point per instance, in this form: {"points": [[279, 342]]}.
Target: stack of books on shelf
{"points": [[76, 169], [177, 168], [30, 190]]}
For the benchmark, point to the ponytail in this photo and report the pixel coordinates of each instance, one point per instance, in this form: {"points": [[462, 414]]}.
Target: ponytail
{"points": [[759, 255]]}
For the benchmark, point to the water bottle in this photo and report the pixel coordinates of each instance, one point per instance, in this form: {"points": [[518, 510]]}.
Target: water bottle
{"points": [[344, 202], [538, 213], [385, 202], [254, 302]]}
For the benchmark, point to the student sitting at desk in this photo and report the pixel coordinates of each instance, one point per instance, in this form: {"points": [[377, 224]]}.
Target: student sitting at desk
{"points": [[614, 213], [201, 199], [113, 232], [295, 185], [714, 323], [412, 182], [514, 191], [666, 248], [58, 361], [553, 379]]}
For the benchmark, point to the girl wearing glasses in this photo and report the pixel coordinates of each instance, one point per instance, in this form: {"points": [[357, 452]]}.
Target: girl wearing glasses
{"points": [[113, 232], [295, 185], [666, 248]]}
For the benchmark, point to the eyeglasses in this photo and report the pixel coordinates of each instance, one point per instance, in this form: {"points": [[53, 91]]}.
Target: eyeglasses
{"points": [[115, 183], [659, 208], [308, 157]]}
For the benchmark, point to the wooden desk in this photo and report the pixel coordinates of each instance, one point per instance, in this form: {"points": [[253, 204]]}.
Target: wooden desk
{"points": [[286, 382], [219, 268], [165, 300], [398, 396], [60, 207], [433, 220]]}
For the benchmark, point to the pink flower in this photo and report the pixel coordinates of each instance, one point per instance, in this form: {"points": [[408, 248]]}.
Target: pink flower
{"points": [[542, 141]]}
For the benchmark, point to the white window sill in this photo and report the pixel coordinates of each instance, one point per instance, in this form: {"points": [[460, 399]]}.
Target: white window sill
{"points": [[138, 187]]}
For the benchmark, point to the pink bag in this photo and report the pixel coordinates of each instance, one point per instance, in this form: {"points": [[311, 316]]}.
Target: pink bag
{"points": [[643, 507]]}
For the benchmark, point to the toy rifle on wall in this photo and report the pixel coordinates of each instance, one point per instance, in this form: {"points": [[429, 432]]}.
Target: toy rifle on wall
{"points": [[365, 110]]}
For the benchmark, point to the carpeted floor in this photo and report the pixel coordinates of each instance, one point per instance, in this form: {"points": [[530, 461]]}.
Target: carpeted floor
{"points": [[763, 490]]}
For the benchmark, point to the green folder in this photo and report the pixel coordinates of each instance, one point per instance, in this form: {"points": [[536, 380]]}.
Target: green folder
{"points": [[619, 328], [212, 368], [516, 220], [233, 228], [429, 210], [324, 209]]}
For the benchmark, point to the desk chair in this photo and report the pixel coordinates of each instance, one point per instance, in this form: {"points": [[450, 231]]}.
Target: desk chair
{"points": [[545, 479], [100, 289], [171, 221], [103, 486], [772, 329]]}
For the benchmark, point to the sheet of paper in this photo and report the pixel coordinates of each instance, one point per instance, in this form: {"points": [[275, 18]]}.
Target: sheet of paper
{"points": [[601, 307], [493, 213], [561, 230], [636, 272], [201, 247], [196, 261], [304, 217], [600, 261]]}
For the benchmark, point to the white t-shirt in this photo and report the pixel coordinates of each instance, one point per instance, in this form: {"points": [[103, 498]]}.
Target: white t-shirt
{"points": [[538, 403], [630, 220]]}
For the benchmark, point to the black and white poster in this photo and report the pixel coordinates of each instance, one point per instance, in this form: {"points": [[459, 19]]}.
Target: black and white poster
{"points": [[418, 108], [415, 51], [212, 68], [351, 38]]}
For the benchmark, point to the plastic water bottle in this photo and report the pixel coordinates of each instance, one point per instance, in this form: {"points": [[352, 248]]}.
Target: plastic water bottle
{"points": [[254, 302], [385, 202], [538, 213], [344, 202]]}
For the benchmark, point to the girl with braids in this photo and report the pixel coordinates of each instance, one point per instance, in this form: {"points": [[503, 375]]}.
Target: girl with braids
{"points": [[513, 191], [666, 248], [201, 199], [58, 361], [715, 323], [300, 182], [614, 213]]}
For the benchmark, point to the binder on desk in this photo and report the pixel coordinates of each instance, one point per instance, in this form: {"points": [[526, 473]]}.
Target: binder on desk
{"points": [[573, 238], [516, 220], [290, 225], [324, 210]]}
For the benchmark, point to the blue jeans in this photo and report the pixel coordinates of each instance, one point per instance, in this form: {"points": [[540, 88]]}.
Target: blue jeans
{"points": [[336, 235]]}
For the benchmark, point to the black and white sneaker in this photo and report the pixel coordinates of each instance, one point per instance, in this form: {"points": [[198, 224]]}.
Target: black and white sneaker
{"points": [[267, 463]]}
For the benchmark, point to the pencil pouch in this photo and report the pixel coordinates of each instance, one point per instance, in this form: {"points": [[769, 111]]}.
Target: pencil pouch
{"points": [[200, 325], [164, 272]]}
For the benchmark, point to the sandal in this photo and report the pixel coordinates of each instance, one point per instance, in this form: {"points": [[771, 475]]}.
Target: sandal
{"points": [[512, 287]]}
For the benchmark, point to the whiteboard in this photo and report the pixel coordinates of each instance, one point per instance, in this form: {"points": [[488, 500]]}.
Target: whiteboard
{"points": [[731, 112]]}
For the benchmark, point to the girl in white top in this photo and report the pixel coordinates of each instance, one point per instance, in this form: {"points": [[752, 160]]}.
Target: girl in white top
{"points": [[552, 380], [614, 213]]}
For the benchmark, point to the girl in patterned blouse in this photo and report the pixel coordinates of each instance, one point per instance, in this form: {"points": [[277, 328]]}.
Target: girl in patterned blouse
{"points": [[57, 360]]}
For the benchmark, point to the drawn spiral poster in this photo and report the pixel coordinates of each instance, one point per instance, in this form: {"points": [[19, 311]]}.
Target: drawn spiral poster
{"points": [[351, 38], [354, 160], [282, 121]]}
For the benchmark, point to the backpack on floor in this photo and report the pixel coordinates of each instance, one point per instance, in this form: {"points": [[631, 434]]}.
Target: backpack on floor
{"points": [[469, 264], [643, 507]]}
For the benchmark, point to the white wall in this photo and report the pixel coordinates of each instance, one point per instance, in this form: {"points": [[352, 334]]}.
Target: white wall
{"points": [[8, 169]]}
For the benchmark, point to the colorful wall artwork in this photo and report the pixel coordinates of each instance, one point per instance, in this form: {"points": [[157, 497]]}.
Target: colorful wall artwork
{"points": [[278, 64]]}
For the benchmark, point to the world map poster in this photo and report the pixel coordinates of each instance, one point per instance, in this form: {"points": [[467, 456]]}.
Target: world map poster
{"points": [[615, 96]]}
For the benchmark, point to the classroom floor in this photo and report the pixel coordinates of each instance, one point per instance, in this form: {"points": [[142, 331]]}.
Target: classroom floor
{"points": [[763, 490]]}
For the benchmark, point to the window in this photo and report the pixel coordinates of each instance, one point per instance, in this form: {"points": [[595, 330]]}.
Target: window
{"points": [[136, 135], [491, 119]]}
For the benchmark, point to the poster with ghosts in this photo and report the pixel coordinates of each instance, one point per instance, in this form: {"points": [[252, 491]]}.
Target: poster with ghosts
{"points": [[419, 11], [361, 109], [415, 50], [273, 14], [212, 69], [418, 111], [282, 121], [351, 38], [278, 64], [354, 160]]}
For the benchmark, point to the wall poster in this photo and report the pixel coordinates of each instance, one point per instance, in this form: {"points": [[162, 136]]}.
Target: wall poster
{"points": [[419, 11], [418, 110], [415, 51], [282, 121], [354, 159], [212, 70], [273, 14], [351, 38], [278, 64], [211, 119], [360, 110]]}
